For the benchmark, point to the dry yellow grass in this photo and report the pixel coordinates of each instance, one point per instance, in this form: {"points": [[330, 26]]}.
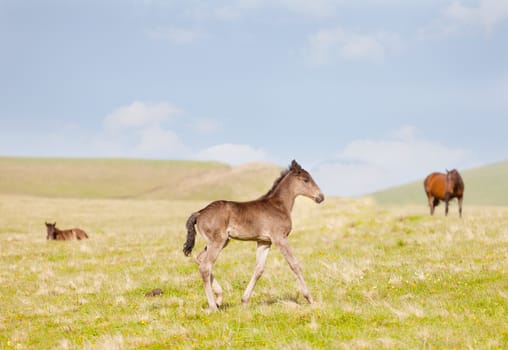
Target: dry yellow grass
{"points": [[133, 179]]}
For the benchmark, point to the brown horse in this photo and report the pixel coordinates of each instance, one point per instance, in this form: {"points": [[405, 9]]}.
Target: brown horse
{"points": [[64, 235], [439, 186], [266, 220]]}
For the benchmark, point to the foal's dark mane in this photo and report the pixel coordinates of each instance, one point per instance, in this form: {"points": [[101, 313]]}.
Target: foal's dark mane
{"points": [[276, 183]]}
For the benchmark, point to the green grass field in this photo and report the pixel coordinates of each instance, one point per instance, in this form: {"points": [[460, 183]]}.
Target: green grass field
{"points": [[382, 277]]}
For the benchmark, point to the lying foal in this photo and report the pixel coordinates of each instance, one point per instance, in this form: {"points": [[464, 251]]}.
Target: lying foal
{"points": [[64, 235]]}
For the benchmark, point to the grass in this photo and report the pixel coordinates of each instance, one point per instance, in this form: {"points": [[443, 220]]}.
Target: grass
{"points": [[382, 277], [487, 185]]}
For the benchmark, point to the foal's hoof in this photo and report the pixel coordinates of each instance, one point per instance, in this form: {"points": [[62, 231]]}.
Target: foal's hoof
{"points": [[212, 308], [218, 302]]}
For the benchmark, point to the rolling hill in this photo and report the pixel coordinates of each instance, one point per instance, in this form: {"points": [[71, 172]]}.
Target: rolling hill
{"points": [[179, 179], [487, 185], [134, 178]]}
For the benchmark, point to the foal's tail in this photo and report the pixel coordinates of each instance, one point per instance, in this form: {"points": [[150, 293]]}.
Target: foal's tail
{"points": [[191, 234]]}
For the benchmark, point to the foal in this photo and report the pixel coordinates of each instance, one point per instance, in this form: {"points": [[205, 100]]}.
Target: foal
{"points": [[266, 220], [64, 235]]}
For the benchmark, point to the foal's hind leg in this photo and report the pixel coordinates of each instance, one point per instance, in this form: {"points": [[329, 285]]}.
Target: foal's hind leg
{"points": [[261, 254], [207, 259], [216, 288]]}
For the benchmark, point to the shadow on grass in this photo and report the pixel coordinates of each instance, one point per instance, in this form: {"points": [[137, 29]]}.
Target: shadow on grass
{"points": [[286, 298]]}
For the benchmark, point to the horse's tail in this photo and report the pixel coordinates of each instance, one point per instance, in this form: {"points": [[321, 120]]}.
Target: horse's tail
{"points": [[427, 185], [191, 233]]}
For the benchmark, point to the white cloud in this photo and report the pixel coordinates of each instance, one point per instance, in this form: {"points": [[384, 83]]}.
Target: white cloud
{"points": [[488, 14], [206, 125], [233, 154], [238, 9], [155, 140], [345, 180], [457, 18], [366, 166], [175, 35], [329, 45], [316, 8], [140, 114], [139, 130]]}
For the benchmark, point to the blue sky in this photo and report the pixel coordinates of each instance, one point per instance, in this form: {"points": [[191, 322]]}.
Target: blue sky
{"points": [[364, 94]]}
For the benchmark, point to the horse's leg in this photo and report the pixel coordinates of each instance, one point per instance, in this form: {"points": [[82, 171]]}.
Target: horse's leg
{"points": [[435, 203], [447, 199], [217, 289], [261, 255], [295, 266], [431, 205], [205, 267], [460, 206], [198, 258]]}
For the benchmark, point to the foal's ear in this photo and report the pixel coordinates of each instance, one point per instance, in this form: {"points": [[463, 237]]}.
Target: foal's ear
{"points": [[295, 166]]}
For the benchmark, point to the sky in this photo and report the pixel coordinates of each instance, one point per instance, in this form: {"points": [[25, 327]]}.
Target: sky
{"points": [[364, 94]]}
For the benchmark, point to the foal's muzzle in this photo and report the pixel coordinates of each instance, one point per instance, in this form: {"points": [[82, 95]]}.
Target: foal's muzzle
{"points": [[320, 198]]}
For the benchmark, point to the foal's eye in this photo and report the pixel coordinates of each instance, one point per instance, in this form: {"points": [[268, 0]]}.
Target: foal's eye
{"points": [[306, 180]]}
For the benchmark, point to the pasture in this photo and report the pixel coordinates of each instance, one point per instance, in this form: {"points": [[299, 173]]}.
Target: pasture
{"points": [[382, 277]]}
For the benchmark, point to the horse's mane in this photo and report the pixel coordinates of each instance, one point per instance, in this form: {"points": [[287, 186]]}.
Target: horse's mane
{"points": [[276, 183]]}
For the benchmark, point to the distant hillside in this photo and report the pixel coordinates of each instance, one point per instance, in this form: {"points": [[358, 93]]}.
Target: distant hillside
{"points": [[131, 178], [487, 185]]}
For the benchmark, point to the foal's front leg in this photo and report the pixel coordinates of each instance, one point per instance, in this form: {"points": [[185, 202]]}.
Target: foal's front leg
{"points": [[295, 266], [261, 254]]}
